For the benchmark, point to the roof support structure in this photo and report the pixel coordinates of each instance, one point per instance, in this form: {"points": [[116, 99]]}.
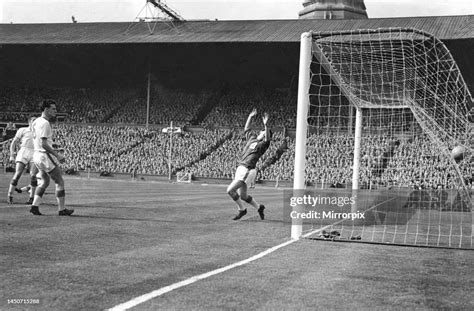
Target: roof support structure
{"points": [[156, 11]]}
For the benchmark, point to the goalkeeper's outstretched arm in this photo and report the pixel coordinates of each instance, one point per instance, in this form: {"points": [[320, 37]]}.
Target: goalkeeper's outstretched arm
{"points": [[249, 120]]}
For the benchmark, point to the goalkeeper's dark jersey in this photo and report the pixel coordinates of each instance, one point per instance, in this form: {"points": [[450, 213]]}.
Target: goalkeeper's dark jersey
{"points": [[253, 150]]}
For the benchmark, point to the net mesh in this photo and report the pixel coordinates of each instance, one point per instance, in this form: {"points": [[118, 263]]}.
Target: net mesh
{"points": [[415, 109]]}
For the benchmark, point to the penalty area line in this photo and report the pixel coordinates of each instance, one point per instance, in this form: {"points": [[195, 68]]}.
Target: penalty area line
{"points": [[156, 293]]}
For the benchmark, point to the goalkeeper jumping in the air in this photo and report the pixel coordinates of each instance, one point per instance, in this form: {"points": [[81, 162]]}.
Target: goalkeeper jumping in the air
{"points": [[255, 147]]}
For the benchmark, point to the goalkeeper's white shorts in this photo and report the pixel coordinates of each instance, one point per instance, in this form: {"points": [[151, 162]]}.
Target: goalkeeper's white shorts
{"points": [[246, 175], [241, 173], [43, 161], [251, 177], [25, 155]]}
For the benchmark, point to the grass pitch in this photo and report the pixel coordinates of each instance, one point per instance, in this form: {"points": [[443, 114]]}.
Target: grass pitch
{"points": [[127, 239]]}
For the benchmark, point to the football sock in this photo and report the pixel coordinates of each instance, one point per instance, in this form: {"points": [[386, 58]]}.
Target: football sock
{"points": [[36, 200], [13, 184], [252, 202], [239, 204], [38, 195], [10, 190], [60, 196]]}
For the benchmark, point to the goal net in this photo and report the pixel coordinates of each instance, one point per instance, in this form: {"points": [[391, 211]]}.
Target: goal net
{"points": [[379, 112]]}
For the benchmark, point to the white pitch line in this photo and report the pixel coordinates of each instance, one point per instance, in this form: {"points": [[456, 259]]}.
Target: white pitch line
{"points": [[141, 299], [156, 293]]}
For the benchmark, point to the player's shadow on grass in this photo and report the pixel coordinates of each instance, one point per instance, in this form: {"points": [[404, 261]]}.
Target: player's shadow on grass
{"points": [[122, 218], [266, 220]]}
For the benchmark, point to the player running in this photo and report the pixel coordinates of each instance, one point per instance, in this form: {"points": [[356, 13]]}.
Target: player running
{"points": [[45, 157], [254, 148], [24, 157]]}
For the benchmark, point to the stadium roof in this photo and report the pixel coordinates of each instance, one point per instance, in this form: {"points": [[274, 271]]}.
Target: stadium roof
{"points": [[443, 27]]}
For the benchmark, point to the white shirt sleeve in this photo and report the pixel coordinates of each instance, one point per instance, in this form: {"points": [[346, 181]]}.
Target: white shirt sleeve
{"points": [[44, 131]]}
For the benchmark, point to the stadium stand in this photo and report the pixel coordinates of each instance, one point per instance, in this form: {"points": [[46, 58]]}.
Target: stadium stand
{"points": [[214, 154], [387, 159], [126, 149], [102, 99], [122, 105], [232, 109]]}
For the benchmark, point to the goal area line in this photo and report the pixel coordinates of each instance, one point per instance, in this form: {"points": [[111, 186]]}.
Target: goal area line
{"points": [[156, 293]]}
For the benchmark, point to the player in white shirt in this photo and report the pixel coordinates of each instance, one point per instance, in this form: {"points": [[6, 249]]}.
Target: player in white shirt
{"points": [[24, 157], [46, 159]]}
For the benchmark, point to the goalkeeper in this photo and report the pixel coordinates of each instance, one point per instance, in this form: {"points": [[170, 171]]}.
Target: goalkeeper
{"points": [[255, 147]]}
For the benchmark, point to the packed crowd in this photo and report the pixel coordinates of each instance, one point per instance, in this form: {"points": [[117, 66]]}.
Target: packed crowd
{"points": [[418, 163], [387, 158], [391, 162], [96, 147], [214, 154], [5, 152], [77, 105], [125, 149], [165, 105], [229, 108], [123, 105], [329, 159], [152, 155], [223, 161], [233, 108], [387, 162]]}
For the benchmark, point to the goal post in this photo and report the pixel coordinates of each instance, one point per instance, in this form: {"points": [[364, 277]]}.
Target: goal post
{"points": [[378, 113], [304, 83]]}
